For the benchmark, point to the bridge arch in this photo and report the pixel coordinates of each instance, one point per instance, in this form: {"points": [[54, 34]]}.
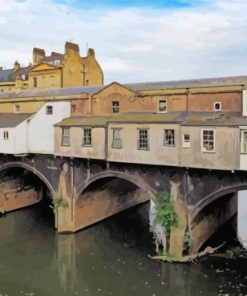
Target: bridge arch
{"points": [[108, 193], [136, 180], [207, 200], [31, 169], [212, 212]]}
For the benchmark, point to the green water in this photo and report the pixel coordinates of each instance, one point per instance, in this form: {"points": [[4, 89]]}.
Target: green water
{"points": [[109, 258]]}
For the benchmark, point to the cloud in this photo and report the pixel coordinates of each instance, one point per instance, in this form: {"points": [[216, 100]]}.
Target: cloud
{"points": [[146, 43]]}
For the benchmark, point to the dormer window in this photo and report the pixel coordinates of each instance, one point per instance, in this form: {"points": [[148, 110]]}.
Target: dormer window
{"points": [[217, 106], [162, 107]]}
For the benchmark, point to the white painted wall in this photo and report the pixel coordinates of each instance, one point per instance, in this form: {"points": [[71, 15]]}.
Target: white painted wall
{"points": [[243, 155], [17, 141], [244, 110], [41, 130]]}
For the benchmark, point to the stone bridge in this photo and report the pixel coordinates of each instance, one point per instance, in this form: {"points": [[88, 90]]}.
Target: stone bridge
{"points": [[92, 190]]}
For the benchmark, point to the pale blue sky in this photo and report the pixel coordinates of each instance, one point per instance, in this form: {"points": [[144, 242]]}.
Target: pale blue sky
{"points": [[134, 41]]}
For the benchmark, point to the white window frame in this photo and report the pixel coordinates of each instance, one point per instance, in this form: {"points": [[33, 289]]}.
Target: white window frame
{"points": [[203, 149], [186, 143], [116, 107], [67, 137], [158, 108], [114, 139], [139, 139], [219, 104], [165, 140], [242, 141], [87, 135]]}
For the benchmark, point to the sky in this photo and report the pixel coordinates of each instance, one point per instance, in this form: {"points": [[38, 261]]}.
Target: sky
{"points": [[134, 41]]}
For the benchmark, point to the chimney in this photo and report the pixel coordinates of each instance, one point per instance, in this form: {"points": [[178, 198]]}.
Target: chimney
{"points": [[38, 55], [16, 66], [72, 46], [91, 53]]}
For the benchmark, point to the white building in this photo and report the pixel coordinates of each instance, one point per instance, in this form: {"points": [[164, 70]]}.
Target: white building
{"points": [[14, 133], [22, 133], [40, 127]]}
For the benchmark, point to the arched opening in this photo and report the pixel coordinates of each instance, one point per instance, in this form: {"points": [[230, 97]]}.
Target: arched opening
{"points": [[215, 220], [124, 201], [22, 186]]}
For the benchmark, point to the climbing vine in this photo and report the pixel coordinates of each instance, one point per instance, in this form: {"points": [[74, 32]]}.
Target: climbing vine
{"points": [[165, 216]]}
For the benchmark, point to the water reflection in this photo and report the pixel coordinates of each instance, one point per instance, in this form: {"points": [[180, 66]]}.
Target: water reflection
{"points": [[109, 258]]}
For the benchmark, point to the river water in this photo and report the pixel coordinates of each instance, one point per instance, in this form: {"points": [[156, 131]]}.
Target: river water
{"points": [[108, 258]]}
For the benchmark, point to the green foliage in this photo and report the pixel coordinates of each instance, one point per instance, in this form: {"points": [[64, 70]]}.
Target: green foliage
{"points": [[187, 241], [233, 252], [58, 202], [165, 212]]}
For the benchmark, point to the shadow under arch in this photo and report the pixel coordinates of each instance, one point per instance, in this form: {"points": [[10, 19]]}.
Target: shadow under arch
{"points": [[207, 200], [137, 181], [31, 169], [212, 212]]}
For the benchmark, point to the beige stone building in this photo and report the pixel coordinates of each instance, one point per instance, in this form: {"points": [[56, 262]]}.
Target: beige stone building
{"points": [[56, 70]]}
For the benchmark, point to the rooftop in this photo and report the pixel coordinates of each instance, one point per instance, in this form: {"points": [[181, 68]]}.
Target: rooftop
{"points": [[13, 119]]}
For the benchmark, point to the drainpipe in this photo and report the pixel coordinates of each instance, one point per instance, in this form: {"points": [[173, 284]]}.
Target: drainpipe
{"points": [[90, 104], [72, 191], [187, 99]]}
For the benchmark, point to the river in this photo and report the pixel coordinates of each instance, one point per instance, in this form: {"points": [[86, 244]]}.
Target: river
{"points": [[108, 258]]}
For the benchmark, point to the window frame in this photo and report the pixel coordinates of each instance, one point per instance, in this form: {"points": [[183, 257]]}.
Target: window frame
{"points": [[165, 140], [84, 136], [64, 143], [158, 109], [35, 82], [47, 112], [186, 143], [242, 150], [115, 107], [203, 149], [114, 129], [139, 139], [5, 135], [17, 108], [220, 104]]}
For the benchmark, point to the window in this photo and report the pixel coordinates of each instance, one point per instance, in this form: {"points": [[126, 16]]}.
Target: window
{"points": [[87, 82], [208, 140], [5, 135], [52, 80], [116, 138], [35, 82], [244, 141], [143, 139], [43, 82], [217, 106], [115, 107], [162, 106], [186, 140], [169, 137], [87, 137], [65, 136], [57, 62], [72, 108], [49, 110], [17, 108]]}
